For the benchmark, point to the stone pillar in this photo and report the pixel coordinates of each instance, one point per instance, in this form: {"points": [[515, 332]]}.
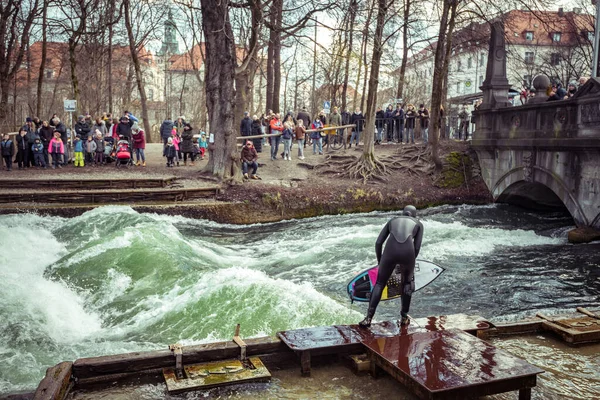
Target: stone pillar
{"points": [[495, 87]]}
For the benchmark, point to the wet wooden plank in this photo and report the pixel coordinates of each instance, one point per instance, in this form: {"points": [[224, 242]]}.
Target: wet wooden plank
{"points": [[450, 364], [56, 383], [337, 336], [140, 361]]}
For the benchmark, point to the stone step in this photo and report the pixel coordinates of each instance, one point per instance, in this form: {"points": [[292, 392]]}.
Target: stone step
{"points": [[109, 196], [87, 183]]}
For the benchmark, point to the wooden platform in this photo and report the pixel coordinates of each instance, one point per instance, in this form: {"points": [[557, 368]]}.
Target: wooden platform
{"points": [[574, 328], [450, 364], [88, 183], [340, 339]]}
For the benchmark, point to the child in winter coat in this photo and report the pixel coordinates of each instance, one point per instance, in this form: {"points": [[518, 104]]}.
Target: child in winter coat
{"points": [[90, 150], [99, 141], [78, 151], [56, 148], [38, 153], [23, 148], [203, 145], [7, 149], [176, 142], [170, 152]]}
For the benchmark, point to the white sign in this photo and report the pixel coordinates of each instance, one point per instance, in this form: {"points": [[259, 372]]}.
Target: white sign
{"points": [[211, 138], [327, 110], [398, 101], [70, 105]]}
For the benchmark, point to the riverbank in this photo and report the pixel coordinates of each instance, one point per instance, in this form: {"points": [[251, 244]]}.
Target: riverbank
{"points": [[287, 189]]}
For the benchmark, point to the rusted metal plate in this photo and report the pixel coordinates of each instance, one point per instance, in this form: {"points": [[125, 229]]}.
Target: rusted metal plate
{"points": [[219, 373], [323, 337], [450, 364]]}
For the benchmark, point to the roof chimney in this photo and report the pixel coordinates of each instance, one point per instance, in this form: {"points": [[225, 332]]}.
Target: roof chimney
{"points": [[561, 12]]}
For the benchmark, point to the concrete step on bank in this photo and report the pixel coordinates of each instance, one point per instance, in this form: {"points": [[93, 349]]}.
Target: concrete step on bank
{"points": [[108, 196], [87, 184]]}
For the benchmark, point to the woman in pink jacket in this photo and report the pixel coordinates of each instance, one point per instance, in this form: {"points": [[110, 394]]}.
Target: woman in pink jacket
{"points": [[176, 141], [56, 148], [139, 144]]}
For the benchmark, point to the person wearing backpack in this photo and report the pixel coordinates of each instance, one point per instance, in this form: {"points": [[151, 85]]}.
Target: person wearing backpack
{"points": [[8, 150], [286, 136], [317, 140]]}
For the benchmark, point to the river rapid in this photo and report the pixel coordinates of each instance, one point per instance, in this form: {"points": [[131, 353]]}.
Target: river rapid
{"points": [[113, 280]]}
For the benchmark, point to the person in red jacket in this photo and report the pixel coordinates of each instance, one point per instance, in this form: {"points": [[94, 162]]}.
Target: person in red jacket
{"points": [[276, 128], [139, 145]]}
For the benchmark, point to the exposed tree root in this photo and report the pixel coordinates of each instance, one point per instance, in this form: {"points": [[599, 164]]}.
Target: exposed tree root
{"points": [[413, 160]]}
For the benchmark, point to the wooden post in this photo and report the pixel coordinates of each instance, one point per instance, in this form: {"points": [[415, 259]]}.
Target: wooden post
{"points": [[238, 340], [305, 362], [525, 394]]}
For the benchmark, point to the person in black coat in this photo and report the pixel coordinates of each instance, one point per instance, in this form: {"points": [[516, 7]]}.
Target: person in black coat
{"points": [[246, 125], [46, 134], [82, 128], [358, 120], [124, 128], [399, 122], [389, 123], [379, 124], [22, 149], [256, 130]]}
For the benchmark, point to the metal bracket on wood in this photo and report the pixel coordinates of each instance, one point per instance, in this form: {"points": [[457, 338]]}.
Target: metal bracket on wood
{"points": [[177, 350], [238, 340]]}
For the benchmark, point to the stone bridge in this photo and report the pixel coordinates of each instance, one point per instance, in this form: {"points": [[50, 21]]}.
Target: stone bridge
{"points": [[543, 153]]}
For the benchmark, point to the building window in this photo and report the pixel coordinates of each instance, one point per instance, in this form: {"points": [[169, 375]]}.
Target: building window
{"points": [[529, 57], [458, 65], [49, 73], [470, 63], [556, 37], [529, 35], [480, 80], [589, 35], [554, 59], [482, 59], [151, 95], [527, 80], [457, 87]]}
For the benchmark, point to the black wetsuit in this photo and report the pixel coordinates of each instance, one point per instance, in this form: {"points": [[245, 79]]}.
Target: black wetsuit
{"points": [[401, 249]]}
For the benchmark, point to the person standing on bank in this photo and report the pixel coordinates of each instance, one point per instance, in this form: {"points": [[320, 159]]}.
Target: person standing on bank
{"points": [[401, 250]]}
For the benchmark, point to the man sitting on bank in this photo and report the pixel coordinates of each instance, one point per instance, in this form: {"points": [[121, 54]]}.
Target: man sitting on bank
{"points": [[249, 157]]}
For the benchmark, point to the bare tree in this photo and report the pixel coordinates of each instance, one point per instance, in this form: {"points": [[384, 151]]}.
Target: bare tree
{"points": [[16, 19]]}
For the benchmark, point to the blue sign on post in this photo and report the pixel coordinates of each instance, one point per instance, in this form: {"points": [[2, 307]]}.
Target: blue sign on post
{"points": [[326, 104]]}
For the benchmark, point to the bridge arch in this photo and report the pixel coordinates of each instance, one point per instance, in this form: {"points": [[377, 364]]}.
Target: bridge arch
{"points": [[529, 186]]}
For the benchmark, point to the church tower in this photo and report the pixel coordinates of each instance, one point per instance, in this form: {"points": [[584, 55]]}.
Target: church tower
{"points": [[170, 45]]}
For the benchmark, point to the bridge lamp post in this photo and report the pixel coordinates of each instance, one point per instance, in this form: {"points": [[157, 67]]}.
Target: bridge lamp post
{"points": [[596, 61]]}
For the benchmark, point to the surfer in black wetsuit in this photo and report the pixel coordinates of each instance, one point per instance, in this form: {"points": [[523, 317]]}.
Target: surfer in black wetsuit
{"points": [[401, 251]]}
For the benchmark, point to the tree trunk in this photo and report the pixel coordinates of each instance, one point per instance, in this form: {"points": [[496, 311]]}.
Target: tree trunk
{"points": [[436, 91], [400, 91], [40, 84], [74, 79], [110, 57], [369, 133], [220, 92], [278, 6], [138, 71], [350, 32]]}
